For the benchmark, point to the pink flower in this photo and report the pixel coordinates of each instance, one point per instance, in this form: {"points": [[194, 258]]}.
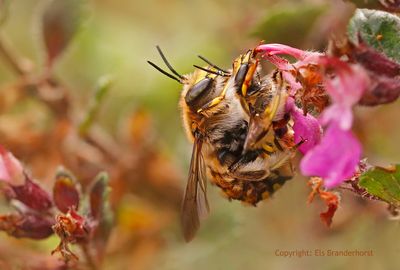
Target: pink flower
{"points": [[345, 89], [276, 48], [22, 188], [11, 170], [270, 51], [305, 127], [335, 159], [291, 80], [336, 155]]}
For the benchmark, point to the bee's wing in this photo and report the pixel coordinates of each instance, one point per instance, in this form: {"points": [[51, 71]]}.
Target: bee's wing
{"points": [[195, 204], [202, 201]]}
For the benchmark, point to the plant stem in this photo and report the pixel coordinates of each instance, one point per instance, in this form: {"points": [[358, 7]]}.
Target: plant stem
{"points": [[88, 256], [10, 57]]}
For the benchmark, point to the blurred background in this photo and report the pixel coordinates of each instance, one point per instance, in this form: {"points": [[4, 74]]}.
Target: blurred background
{"points": [[138, 138]]}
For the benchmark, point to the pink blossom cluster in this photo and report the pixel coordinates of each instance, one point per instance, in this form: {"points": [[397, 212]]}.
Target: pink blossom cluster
{"points": [[331, 151]]}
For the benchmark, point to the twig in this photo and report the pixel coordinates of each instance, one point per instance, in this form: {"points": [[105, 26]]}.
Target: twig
{"points": [[103, 86], [104, 142], [88, 257], [10, 57]]}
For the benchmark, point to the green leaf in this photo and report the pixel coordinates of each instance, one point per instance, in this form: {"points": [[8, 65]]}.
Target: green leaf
{"points": [[379, 29], [60, 22], [288, 24], [101, 212], [98, 195], [383, 183], [103, 86]]}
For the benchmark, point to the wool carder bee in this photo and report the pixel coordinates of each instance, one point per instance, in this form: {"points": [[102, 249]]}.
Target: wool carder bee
{"points": [[242, 138]]}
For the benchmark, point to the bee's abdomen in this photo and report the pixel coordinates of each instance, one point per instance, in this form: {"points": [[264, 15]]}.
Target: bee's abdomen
{"points": [[227, 150], [250, 192], [230, 140]]}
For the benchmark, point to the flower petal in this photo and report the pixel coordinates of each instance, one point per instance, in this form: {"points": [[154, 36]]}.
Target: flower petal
{"points": [[276, 48], [339, 114], [305, 127], [345, 89], [4, 175], [33, 195], [350, 82], [271, 52], [335, 159], [291, 80], [11, 169]]}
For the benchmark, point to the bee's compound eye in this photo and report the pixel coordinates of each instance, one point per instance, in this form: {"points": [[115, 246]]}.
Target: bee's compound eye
{"points": [[241, 74], [198, 90]]}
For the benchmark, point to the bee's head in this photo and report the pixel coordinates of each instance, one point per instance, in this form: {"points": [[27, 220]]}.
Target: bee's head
{"points": [[197, 86], [204, 84]]}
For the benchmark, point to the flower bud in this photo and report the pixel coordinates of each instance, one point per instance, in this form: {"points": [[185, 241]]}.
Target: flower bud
{"points": [[65, 192], [383, 72], [11, 170], [32, 195], [71, 228], [27, 225]]}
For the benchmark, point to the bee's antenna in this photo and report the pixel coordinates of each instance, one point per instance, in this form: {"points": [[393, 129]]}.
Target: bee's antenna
{"points": [[211, 64], [168, 64], [218, 72], [164, 72]]}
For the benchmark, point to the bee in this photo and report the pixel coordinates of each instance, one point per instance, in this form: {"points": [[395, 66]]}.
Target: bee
{"points": [[242, 139]]}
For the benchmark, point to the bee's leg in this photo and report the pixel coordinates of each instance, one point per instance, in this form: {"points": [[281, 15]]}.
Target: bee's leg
{"points": [[285, 172], [244, 168], [279, 170], [272, 109], [244, 70], [268, 148], [278, 178], [284, 157], [214, 101], [243, 160], [249, 77], [250, 175], [261, 123]]}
